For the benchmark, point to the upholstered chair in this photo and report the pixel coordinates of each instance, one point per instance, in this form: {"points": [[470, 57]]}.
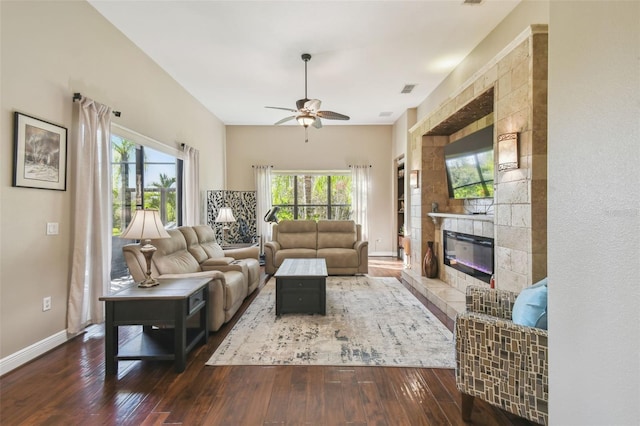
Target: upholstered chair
{"points": [[498, 361]]}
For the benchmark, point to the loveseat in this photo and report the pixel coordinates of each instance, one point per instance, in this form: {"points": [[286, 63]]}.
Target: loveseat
{"points": [[192, 251], [339, 242]]}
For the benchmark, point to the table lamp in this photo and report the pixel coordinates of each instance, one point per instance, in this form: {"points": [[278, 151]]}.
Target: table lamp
{"points": [[225, 215], [145, 226]]}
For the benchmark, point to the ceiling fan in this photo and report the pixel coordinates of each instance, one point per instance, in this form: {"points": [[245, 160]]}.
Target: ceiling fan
{"points": [[307, 110]]}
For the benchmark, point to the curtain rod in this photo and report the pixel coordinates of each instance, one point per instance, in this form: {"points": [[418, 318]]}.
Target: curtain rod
{"points": [[355, 165], [77, 96], [253, 167]]}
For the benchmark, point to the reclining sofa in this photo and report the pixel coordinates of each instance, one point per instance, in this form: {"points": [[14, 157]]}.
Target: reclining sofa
{"points": [[192, 251], [339, 242]]}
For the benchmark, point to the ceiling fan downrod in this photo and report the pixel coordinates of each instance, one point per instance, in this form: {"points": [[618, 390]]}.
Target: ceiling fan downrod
{"points": [[306, 58]]}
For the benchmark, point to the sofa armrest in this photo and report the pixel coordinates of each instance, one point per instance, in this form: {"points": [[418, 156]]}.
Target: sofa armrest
{"points": [[270, 249], [362, 248], [503, 363], [489, 301], [273, 245], [243, 253]]}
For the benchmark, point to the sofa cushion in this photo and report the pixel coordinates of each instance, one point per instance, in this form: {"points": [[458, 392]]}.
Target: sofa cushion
{"points": [[193, 246], [339, 257], [297, 234], [336, 233], [294, 253], [172, 256], [530, 307], [207, 240]]}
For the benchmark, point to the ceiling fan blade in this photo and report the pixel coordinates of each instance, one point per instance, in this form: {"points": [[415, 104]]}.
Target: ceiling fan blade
{"points": [[284, 109], [330, 115], [284, 120], [318, 123], [312, 105]]}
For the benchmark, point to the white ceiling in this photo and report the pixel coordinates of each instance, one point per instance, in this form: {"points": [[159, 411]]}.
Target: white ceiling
{"points": [[236, 57]]}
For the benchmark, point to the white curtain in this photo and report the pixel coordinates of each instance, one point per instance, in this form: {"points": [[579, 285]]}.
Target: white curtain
{"points": [[262, 176], [91, 255], [191, 186], [360, 191]]}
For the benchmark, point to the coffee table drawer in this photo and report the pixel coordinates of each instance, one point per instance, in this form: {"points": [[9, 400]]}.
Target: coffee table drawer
{"points": [[301, 283], [301, 301]]}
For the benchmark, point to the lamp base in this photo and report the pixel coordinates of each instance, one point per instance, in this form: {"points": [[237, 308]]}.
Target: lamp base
{"points": [[148, 282], [147, 251]]}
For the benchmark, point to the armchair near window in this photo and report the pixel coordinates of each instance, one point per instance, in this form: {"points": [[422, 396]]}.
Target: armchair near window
{"points": [[498, 361]]}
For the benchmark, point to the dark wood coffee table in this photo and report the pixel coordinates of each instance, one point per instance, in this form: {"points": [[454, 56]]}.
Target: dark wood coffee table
{"points": [[163, 312], [301, 286]]}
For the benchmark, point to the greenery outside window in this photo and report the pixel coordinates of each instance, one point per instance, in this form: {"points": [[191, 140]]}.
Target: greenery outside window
{"points": [[312, 195], [142, 177]]}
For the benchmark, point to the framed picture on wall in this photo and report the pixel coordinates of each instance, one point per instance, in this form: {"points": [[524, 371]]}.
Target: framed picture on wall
{"points": [[40, 154]]}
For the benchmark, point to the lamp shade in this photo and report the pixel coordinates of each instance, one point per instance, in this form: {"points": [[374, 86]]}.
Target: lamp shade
{"points": [[145, 225], [225, 215]]}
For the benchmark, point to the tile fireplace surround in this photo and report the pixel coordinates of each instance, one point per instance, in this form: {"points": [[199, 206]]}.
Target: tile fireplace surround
{"points": [[509, 92]]}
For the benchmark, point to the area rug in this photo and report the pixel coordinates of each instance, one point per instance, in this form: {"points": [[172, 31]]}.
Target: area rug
{"points": [[369, 322]]}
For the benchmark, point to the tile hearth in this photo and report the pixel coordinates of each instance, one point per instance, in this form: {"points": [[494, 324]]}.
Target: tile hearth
{"points": [[448, 299]]}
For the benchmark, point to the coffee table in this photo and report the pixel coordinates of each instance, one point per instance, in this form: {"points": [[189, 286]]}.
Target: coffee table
{"points": [[301, 286]]}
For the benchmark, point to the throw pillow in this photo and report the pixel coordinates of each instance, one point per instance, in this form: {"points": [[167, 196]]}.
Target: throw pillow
{"points": [[530, 307]]}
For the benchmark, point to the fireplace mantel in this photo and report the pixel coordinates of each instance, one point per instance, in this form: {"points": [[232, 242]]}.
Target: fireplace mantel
{"points": [[437, 217]]}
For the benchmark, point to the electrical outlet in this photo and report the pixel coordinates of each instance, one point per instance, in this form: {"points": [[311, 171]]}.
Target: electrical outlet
{"points": [[46, 303]]}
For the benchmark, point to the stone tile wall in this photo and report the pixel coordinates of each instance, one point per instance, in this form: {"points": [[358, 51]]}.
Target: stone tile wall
{"points": [[517, 82]]}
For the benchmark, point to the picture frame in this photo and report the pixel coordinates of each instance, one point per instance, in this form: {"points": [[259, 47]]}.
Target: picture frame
{"points": [[40, 154]]}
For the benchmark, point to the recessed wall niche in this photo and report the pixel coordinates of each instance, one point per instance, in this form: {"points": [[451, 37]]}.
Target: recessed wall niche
{"points": [[511, 93]]}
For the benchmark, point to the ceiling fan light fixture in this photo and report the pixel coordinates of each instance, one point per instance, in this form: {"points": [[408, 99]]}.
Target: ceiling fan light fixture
{"points": [[306, 120]]}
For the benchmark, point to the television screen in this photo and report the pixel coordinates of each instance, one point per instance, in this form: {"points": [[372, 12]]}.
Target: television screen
{"points": [[469, 165]]}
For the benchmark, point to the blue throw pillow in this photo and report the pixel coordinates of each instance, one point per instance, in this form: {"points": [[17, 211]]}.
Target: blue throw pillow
{"points": [[530, 307]]}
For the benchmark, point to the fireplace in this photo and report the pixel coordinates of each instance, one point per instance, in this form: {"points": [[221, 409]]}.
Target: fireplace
{"points": [[470, 254]]}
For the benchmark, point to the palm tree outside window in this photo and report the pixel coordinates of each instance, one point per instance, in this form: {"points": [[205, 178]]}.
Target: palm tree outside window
{"points": [[142, 178]]}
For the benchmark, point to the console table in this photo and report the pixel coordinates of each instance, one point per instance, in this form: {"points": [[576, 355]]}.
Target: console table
{"points": [[163, 312]]}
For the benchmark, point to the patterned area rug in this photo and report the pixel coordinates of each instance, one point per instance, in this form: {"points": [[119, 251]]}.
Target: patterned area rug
{"points": [[369, 321]]}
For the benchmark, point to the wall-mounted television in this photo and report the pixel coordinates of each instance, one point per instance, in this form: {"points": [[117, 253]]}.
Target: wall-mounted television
{"points": [[469, 165]]}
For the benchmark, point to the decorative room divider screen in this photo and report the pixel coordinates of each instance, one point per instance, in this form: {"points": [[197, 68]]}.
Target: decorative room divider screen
{"points": [[243, 206]]}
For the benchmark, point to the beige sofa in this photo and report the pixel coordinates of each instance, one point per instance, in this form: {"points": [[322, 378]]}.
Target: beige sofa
{"points": [[339, 242], [193, 251]]}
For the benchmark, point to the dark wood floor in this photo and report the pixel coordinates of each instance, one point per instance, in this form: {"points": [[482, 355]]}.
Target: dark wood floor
{"points": [[67, 386]]}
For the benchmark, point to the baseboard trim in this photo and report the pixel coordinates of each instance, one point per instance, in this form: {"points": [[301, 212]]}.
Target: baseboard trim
{"points": [[30, 353], [382, 254]]}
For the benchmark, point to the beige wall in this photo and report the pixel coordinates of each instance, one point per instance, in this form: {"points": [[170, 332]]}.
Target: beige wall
{"points": [[526, 13], [594, 213], [49, 51], [334, 147]]}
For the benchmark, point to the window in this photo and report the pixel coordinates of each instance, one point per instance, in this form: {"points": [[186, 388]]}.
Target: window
{"points": [[312, 196], [142, 177]]}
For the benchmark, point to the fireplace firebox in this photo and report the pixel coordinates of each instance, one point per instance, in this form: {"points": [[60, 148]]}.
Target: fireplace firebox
{"points": [[470, 254]]}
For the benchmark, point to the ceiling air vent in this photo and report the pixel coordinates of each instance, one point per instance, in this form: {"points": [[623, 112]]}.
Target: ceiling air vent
{"points": [[472, 1], [386, 114], [408, 88]]}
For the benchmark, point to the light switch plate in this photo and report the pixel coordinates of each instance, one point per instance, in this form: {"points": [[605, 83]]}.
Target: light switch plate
{"points": [[52, 228]]}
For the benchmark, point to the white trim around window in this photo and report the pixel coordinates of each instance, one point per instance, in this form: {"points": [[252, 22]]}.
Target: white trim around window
{"points": [[146, 141]]}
